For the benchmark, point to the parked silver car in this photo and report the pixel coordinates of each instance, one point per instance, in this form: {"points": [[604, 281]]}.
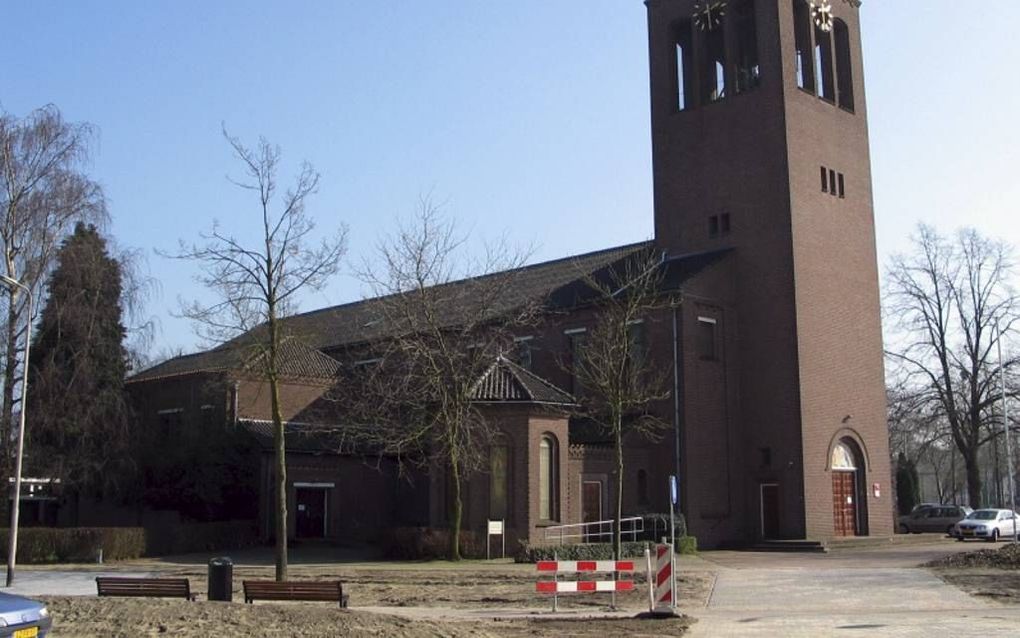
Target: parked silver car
{"points": [[23, 618], [988, 524], [933, 518]]}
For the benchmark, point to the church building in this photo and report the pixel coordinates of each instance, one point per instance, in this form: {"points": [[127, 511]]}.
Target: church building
{"points": [[764, 217]]}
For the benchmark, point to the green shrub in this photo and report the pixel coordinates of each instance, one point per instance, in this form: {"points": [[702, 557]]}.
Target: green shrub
{"points": [[75, 544], [594, 551], [426, 543]]}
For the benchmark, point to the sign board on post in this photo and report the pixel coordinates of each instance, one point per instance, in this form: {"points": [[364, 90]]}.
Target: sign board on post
{"points": [[876, 488], [494, 528]]}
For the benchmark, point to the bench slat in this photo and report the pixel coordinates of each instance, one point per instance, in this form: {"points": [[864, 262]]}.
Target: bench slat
{"points": [[144, 587], [328, 591]]}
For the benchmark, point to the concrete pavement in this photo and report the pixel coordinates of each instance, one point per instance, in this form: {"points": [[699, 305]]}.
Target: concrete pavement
{"points": [[61, 582], [863, 591]]}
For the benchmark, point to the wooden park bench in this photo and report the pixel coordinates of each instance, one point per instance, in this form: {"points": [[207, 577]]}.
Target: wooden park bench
{"points": [[145, 587], [328, 591]]}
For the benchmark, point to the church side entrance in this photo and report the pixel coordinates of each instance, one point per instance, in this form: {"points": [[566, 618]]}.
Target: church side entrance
{"points": [[846, 491]]}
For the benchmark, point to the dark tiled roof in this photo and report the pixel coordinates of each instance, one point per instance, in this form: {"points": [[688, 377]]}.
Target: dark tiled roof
{"points": [[507, 382], [296, 361], [361, 321]]}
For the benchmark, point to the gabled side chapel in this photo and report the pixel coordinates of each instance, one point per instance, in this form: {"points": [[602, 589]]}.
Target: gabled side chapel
{"points": [[763, 211]]}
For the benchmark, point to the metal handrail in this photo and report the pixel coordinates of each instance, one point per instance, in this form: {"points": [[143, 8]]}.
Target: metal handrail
{"points": [[596, 530]]}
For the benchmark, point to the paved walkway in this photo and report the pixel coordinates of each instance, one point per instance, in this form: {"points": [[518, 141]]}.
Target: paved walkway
{"points": [[61, 582], [874, 592]]}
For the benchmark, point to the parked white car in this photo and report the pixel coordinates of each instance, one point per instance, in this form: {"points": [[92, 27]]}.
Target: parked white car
{"points": [[988, 524]]}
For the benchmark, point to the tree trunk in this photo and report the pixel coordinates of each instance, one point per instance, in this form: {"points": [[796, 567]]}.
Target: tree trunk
{"points": [[617, 535], [279, 443], [970, 460], [7, 410], [455, 513]]}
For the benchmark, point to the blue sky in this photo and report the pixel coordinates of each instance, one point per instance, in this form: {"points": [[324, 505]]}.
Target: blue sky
{"points": [[528, 118]]}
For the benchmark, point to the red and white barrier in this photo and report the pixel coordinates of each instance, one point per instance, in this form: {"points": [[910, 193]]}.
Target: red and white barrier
{"points": [[665, 599], [557, 567]]}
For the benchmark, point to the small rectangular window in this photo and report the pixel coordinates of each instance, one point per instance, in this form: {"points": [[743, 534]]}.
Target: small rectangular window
{"points": [[706, 338], [842, 187], [825, 180], [832, 181], [575, 343], [713, 226]]}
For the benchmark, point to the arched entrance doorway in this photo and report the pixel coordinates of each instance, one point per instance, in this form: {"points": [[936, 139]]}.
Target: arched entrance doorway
{"points": [[848, 505]]}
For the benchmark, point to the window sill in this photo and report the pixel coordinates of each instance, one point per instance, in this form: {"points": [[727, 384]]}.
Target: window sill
{"points": [[547, 524]]}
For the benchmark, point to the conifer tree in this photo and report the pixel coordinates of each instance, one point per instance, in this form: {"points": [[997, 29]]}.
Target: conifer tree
{"points": [[78, 414]]}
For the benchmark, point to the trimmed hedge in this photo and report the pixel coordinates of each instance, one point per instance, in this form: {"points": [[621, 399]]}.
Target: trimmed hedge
{"points": [[75, 544], [82, 544], [425, 543], [594, 551], [200, 537]]}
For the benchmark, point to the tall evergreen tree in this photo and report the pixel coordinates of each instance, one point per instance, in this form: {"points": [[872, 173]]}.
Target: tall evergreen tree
{"points": [[77, 410]]}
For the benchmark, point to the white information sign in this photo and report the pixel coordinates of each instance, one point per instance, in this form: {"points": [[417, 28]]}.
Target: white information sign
{"points": [[495, 528]]}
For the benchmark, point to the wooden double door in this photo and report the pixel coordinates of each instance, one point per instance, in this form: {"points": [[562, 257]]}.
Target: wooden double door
{"points": [[844, 503]]}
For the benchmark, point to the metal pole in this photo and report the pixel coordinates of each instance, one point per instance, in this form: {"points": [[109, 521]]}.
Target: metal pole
{"points": [[12, 550], [1005, 426]]}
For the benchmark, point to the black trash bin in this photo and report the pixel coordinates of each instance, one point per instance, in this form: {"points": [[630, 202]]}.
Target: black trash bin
{"points": [[221, 579]]}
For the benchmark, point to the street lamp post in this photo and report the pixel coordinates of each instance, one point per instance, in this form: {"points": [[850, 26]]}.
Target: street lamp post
{"points": [[16, 505], [1005, 427]]}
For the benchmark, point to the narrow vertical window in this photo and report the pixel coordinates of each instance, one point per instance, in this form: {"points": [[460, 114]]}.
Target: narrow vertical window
{"points": [[748, 67], [844, 66], [706, 338], [825, 83], [498, 464], [825, 180], [638, 344], [523, 354], [832, 182], [575, 342], [684, 66], [713, 65], [842, 187], [802, 37], [547, 477]]}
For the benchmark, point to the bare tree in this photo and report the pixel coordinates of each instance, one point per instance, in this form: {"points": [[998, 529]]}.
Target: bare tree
{"points": [[256, 285], [43, 192], [617, 381], [447, 319], [944, 301]]}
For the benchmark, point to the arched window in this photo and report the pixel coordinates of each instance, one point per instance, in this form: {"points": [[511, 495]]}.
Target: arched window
{"points": [[843, 458], [685, 81], [713, 64], [824, 80], [802, 37], [746, 51], [844, 65], [642, 487], [548, 471]]}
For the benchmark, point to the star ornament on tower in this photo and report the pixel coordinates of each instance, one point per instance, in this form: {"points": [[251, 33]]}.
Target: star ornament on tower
{"points": [[821, 13], [708, 14]]}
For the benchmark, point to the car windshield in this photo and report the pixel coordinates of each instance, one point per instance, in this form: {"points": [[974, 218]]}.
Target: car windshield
{"points": [[984, 515]]}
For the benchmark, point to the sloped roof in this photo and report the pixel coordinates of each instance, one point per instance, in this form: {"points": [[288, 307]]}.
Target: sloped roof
{"points": [[299, 437], [296, 361], [507, 382], [361, 321]]}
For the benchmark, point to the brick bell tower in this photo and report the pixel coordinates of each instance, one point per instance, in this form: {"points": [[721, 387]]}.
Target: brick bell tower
{"points": [[760, 144]]}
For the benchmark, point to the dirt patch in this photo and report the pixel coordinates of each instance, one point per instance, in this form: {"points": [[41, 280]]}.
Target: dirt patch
{"points": [[992, 574], [122, 617], [1005, 557]]}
